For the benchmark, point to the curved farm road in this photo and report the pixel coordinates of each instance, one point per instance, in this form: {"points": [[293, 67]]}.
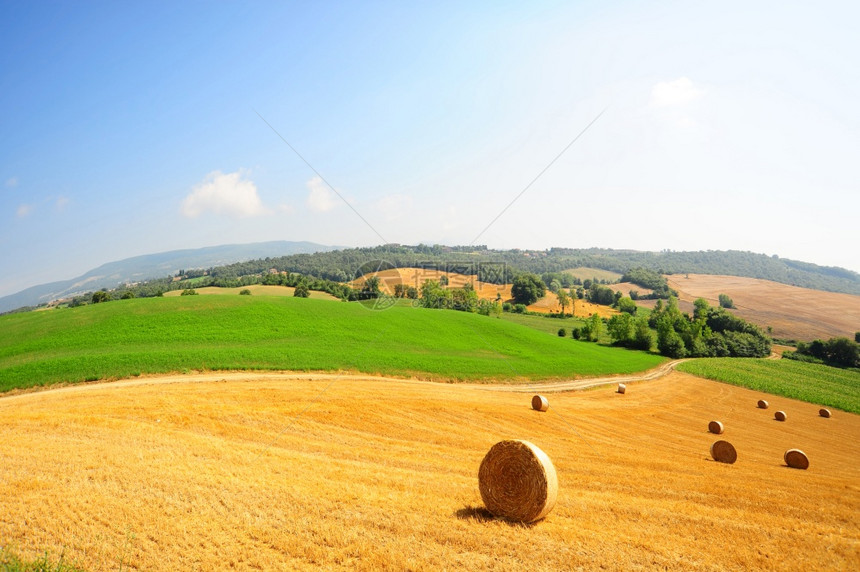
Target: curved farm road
{"points": [[224, 376]]}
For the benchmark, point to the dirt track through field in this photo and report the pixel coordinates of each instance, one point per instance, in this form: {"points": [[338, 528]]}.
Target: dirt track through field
{"points": [[305, 471]]}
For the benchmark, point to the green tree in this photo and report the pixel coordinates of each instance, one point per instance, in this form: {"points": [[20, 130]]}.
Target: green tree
{"points": [[563, 299], [527, 289], [725, 301], [302, 290], [626, 305], [562, 333], [642, 338], [100, 296], [244, 292], [127, 295], [189, 292], [620, 328], [595, 328]]}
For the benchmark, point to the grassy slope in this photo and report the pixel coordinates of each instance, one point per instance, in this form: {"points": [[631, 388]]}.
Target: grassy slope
{"points": [[805, 381], [131, 337]]}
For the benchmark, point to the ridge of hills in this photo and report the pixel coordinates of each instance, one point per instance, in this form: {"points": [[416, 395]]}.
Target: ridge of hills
{"points": [[342, 264], [149, 266]]}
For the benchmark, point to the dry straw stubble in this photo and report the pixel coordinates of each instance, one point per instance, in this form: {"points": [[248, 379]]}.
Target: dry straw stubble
{"points": [[518, 481], [724, 452], [540, 403]]}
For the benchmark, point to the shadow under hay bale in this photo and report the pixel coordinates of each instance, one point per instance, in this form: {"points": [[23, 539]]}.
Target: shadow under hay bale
{"points": [[715, 427], [540, 403], [518, 481], [622, 388], [824, 413], [780, 416], [796, 459], [762, 404], [724, 452]]}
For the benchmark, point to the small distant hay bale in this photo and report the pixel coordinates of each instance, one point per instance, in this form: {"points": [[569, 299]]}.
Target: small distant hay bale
{"points": [[724, 452], [715, 427], [622, 388], [518, 481], [796, 459], [762, 404], [824, 412], [540, 403], [779, 416]]}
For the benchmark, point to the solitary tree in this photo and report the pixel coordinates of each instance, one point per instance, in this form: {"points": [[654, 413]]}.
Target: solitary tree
{"points": [[563, 299]]}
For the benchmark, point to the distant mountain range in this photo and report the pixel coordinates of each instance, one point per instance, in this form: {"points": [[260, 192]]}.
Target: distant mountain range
{"points": [[150, 266]]}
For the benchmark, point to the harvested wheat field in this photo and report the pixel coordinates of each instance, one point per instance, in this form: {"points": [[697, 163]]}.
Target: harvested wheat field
{"points": [[307, 472], [792, 312]]}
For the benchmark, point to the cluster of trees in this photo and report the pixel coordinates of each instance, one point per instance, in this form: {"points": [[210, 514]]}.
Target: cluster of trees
{"points": [[630, 332], [464, 299], [838, 352], [527, 289], [709, 332], [650, 279]]}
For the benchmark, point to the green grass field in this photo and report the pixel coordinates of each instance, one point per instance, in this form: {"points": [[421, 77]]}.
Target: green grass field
{"points": [[155, 335], [809, 382]]}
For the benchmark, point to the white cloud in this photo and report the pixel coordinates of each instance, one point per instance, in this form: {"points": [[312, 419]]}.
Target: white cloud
{"points": [[320, 199], [224, 193], [286, 208], [12, 182], [61, 203], [675, 93], [24, 211]]}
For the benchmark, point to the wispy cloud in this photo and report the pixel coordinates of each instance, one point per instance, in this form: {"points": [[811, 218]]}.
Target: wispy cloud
{"points": [[224, 193], [61, 203], [320, 199], [675, 93], [24, 211], [11, 182], [394, 206]]}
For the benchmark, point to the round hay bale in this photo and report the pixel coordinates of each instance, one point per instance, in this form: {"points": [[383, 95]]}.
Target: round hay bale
{"points": [[724, 452], [762, 404], [518, 481], [824, 413], [796, 459], [622, 388], [779, 416], [715, 427], [540, 403]]}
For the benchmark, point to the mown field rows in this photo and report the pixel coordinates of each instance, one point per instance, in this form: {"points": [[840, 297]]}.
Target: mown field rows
{"points": [[277, 471]]}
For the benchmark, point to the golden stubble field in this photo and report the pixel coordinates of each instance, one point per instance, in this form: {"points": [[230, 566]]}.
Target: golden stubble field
{"points": [[301, 471], [486, 291], [792, 312]]}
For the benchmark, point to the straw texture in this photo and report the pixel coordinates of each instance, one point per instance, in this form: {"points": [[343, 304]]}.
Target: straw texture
{"points": [[762, 404], [715, 427], [518, 481], [540, 403], [779, 416], [724, 452], [796, 459]]}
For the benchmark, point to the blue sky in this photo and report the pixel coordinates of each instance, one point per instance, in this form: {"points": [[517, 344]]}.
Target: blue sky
{"points": [[133, 128]]}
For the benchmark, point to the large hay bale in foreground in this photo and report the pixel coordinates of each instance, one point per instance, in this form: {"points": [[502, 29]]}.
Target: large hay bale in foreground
{"points": [[518, 481], [724, 452], [780, 416], [824, 412], [622, 388], [762, 404], [796, 459], [540, 403], [715, 427]]}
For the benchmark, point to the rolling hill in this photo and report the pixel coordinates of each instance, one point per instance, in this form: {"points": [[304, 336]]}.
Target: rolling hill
{"points": [[150, 266]]}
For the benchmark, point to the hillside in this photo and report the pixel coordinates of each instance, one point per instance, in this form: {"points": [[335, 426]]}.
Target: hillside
{"points": [[308, 472], [792, 312], [150, 266], [150, 335]]}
